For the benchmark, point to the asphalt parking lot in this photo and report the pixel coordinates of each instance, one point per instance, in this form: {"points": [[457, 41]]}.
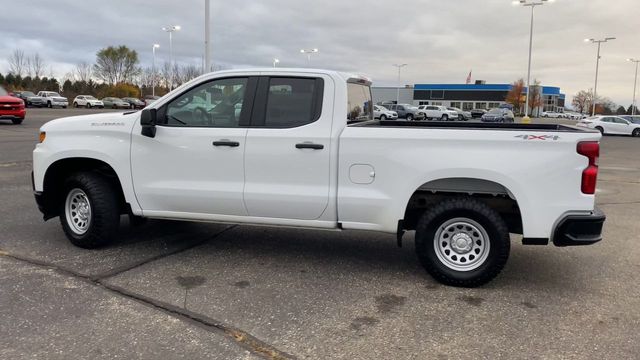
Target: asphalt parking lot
{"points": [[176, 290]]}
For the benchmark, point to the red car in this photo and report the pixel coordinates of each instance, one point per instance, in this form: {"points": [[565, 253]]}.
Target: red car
{"points": [[11, 107]]}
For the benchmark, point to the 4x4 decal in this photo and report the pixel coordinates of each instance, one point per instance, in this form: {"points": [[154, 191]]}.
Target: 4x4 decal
{"points": [[538, 137]]}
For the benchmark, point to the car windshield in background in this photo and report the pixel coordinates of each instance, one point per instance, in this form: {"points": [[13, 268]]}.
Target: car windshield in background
{"points": [[90, 98], [54, 94], [495, 112], [28, 93], [360, 106], [3, 92]]}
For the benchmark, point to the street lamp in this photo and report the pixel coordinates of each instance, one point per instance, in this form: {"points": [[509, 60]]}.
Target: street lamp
{"points": [[153, 70], [171, 29], [399, 66], [532, 4], [308, 53], [207, 37], [595, 88], [635, 83], [275, 62]]}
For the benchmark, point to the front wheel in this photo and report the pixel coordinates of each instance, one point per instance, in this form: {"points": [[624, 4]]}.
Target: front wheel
{"points": [[383, 118], [462, 242], [75, 104], [89, 210], [88, 105], [409, 117], [444, 117], [635, 133]]}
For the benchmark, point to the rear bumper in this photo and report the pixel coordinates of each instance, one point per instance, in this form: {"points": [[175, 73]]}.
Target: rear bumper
{"points": [[575, 230]]}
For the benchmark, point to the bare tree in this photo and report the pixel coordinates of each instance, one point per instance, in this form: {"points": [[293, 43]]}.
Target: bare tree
{"points": [[17, 63], [82, 72], [37, 65], [190, 72]]}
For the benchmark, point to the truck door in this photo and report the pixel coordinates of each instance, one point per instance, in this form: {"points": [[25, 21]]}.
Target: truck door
{"points": [[195, 162], [288, 146]]}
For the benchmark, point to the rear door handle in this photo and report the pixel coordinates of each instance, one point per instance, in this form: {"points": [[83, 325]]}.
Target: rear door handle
{"points": [[226, 143], [310, 146]]}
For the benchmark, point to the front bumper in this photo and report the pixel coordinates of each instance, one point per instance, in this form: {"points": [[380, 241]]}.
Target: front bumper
{"points": [[575, 230], [13, 114], [59, 103]]}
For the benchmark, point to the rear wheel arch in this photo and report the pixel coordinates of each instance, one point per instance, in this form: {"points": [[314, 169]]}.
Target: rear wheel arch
{"points": [[58, 172], [495, 195]]}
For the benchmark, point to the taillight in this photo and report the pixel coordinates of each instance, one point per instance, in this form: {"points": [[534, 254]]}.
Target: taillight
{"points": [[590, 149]]}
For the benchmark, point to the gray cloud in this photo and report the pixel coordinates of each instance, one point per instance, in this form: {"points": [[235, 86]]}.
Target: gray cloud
{"points": [[440, 40]]}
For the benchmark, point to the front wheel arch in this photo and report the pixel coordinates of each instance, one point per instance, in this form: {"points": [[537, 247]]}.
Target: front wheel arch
{"points": [[58, 172]]}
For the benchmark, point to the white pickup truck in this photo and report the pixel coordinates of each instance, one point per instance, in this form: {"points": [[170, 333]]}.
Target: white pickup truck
{"points": [[300, 148]]}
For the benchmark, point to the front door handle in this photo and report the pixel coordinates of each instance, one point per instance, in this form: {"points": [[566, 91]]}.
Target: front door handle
{"points": [[226, 143], [310, 146]]}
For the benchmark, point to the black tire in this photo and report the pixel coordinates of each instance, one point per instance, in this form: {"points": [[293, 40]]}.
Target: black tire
{"points": [[409, 117], [88, 105], [16, 121], [489, 261], [75, 104], [635, 133], [64, 107], [49, 104], [600, 129], [104, 217], [461, 117], [383, 118], [444, 117]]}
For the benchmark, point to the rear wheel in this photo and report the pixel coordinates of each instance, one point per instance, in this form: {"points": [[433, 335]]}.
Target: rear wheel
{"points": [[89, 213], [462, 242], [75, 104], [600, 129]]}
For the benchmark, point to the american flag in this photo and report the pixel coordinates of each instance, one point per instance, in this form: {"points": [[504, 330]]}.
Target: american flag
{"points": [[469, 77]]}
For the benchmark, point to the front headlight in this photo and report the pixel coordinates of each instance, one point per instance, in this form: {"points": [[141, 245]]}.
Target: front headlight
{"points": [[43, 135]]}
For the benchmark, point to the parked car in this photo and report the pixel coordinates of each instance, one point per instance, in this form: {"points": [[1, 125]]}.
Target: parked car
{"points": [[382, 113], [87, 101], [438, 112], [115, 103], [499, 115], [150, 99], [633, 118], [30, 99], [462, 115], [11, 107], [611, 125], [135, 103], [54, 99], [477, 113], [302, 165], [406, 111], [550, 114]]}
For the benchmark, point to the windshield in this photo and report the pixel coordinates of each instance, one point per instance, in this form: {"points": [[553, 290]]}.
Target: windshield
{"points": [[90, 98], [382, 108], [495, 112], [54, 94], [28, 93], [3, 92]]}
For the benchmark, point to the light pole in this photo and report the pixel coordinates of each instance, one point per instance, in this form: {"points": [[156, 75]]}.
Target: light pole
{"points": [[595, 87], [153, 70], [171, 29], [635, 83], [207, 37], [308, 53], [399, 66], [532, 4], [275, 62]]}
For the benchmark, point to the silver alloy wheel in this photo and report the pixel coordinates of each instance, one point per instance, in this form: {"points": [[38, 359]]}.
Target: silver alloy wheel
{"points": [[461, 244], [77, 210]]}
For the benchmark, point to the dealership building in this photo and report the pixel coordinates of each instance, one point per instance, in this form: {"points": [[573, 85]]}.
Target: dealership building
{"points": [[465, 96]]}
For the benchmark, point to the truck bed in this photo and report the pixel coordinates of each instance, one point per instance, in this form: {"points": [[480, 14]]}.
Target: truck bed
{"points": [[472, 125]]}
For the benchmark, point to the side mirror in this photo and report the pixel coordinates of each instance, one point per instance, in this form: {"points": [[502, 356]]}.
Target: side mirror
{"points": [[148, 122]]}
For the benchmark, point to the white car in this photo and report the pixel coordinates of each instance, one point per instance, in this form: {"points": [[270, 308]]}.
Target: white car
{"points": [[87, 101], [382, 113], [53, 99], [550, 114], [310, 156], [462, 115], [611, 125], [438, 112]]}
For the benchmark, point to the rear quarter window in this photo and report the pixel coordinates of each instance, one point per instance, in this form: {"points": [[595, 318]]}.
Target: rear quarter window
{"points": [[359, 104]]}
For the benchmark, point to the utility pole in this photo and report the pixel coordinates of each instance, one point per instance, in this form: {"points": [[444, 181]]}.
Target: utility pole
{"points": [[595, 87], [399, 66]]}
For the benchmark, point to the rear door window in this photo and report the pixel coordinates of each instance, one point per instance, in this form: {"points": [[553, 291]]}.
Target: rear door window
{"points": [[293, 102]]}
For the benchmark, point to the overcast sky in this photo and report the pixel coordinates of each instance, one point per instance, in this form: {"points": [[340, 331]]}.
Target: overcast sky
{"points": [[441, 40]]}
